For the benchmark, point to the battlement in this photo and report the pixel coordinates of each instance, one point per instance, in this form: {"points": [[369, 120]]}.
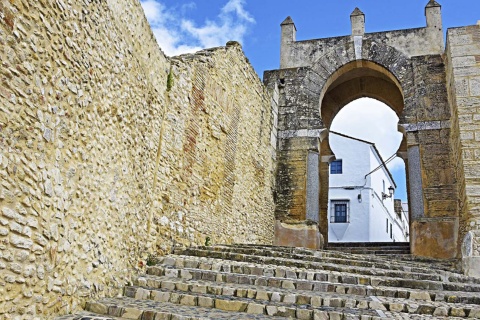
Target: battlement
{"points": [[412, 42]]}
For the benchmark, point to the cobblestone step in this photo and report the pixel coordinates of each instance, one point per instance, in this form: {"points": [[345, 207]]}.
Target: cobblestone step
{"points": [[372, 276], [87, 316], [259, 302], [307, 284], [261, 282], [129, 308], [377, 248], [399, 260], [325, 257], [416, 303]]}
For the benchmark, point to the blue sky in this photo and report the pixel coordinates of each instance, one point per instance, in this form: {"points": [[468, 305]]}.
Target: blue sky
{"points": [[185, 26]]}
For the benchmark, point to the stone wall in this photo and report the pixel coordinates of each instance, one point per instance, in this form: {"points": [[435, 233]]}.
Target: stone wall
{"points": [[109, 151], [463, 80], [216, 165]]}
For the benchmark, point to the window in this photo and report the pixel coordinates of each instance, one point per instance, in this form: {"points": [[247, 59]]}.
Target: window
{"points": [[339, 211], [387, 225], [336, 167], [391, 233]]}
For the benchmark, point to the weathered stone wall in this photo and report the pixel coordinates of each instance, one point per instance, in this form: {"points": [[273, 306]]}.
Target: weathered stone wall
{"points": [[434, 219], [102, 159], [463, 80], [216, 166]]}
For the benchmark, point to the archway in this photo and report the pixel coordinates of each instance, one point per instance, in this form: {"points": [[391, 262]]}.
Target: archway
{"points": [[317, 78], [354, 80]]}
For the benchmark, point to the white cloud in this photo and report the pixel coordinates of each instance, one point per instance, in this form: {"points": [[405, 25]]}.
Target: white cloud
{"points": [[237, 7], [176, 34], [371, 120]]}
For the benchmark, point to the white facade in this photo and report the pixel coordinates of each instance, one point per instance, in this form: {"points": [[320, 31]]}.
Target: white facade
{"points": [[358, 209]]}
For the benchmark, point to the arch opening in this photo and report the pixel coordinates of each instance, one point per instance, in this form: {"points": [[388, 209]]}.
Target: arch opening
{"points": [[343, 100], [365, 143]]}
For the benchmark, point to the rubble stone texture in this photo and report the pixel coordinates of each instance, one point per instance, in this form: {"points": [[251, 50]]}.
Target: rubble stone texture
{"points": [[110, 151]]}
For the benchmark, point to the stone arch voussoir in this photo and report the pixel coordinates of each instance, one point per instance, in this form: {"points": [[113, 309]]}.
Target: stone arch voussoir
{"points": [[322, 72]]}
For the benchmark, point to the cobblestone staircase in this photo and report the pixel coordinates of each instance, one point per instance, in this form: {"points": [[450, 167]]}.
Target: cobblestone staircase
{"points": [[258, 282]]}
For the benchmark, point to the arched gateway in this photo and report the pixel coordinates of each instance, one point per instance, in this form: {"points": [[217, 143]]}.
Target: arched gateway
{"points": [[410, 71]]}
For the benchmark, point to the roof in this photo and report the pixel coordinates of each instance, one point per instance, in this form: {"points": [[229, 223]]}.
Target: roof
{"points": [[374, 148]]}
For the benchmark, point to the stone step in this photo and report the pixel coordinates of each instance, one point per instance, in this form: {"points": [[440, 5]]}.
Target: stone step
{"points": [[87, 316], [375, 251], [306, 281], [259, 282], [244, 270], [259, 302], [368, 245], [377, 248], [392, 277], [129, 308], [325, 257], [326, 263], [401, 262], [184, 307], [416, 303], [425, 263]]}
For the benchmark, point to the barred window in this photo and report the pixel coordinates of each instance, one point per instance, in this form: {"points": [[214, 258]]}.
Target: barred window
{"points": [[340, 211]]}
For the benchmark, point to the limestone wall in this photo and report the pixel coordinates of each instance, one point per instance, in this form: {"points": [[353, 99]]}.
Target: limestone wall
{"points": [[103, 160], [216, 164], [463, 77]]}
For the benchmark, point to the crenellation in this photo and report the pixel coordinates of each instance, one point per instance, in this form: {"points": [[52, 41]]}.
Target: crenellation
{"points": [[357, 19]]}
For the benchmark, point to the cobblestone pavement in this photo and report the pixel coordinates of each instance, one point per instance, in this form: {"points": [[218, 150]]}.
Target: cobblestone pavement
{"points": [[257, 282]]}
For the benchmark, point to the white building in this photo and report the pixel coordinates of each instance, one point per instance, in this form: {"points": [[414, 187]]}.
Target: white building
{"points": [[361, 195]]}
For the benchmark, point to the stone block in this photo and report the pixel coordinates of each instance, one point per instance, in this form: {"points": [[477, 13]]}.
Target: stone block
{"points": [[440, 312], [397, 307], [471, 266], [377, 305], [316, 301], [255, 308], [275, 297], [142, 294], [304, 314], [206, 302], [161, 296], [199, 288], [457, 312], [231, 305], [320, 315], [188, 300], [420, 295], [474, 313], [97, 307], [132, 313], [434, 238], [298, 234], [288, 284]]}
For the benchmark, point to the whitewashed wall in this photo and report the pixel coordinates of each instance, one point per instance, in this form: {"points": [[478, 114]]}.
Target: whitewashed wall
{"points": [[368, 213]]}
